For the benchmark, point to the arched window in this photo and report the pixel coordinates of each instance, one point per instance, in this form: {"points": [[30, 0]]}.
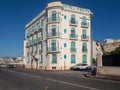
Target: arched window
{"points": [[84, 20], [72, 32], [84, 59], [54, 58], [73, 46], [84, 47], [73, 59]]}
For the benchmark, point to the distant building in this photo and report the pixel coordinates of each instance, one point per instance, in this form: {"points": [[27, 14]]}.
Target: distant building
{"points": [[110, 45], [4, 60], [58, 38]]}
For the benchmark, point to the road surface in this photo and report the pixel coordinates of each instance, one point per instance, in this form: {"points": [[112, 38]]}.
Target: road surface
{"points": [[12, 79]]}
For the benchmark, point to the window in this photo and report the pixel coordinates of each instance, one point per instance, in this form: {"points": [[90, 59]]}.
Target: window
{"points": [[53, 30], [84, 47], [65, 16], [53, 45], [54, 16], [73, 46], [65, 31], [65, 44], [36, 49], [84, 34], [84, 59], [64, 56], [72, 33], [84, 20], [73, 59], [73, 19], [54, 58]]}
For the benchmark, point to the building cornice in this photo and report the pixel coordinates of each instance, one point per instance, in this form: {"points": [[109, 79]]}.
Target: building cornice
{"points": [[35, 19], [64, 7]]}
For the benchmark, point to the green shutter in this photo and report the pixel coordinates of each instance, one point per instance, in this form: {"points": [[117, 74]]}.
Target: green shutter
{"points": [[53, 45], [54, 16], [73, 59], [53, 30], [72, 32], [54, 58], [84, 59], [72, 46], [73, 19], [84, 34], [84, 47]]}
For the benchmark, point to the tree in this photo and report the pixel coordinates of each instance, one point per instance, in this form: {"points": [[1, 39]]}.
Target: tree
{"points": [[116, 51]]}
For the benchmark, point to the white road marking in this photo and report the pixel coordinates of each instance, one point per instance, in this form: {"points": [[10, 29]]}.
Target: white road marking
{"points": [[72, 84], [53, 80]]}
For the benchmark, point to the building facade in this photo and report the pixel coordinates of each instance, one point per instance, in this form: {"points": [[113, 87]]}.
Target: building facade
{"points": [[58, 38]]}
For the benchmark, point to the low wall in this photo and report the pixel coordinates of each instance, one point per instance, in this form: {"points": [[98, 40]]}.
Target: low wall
{"points": [[33, 66], [114, 71]]}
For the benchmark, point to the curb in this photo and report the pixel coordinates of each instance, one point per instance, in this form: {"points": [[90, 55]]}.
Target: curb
{"points": [[102, 77]]}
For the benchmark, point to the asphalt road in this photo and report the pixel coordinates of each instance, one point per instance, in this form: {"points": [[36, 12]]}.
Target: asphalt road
{"points": [[12, 79]]}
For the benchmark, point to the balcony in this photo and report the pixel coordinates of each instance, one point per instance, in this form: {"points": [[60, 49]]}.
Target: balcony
{"points": [[84, 37], [73, 50], [73, 23], [29, 43], [39, 39], [53, 20], [53, 50], [53, 35], [84, 24], [73, 37], [35, 30], [40, 27], [28, 34], [32, 31]]}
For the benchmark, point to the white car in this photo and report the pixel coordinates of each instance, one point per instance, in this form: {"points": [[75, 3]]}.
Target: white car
{"points": [[80, 67]]}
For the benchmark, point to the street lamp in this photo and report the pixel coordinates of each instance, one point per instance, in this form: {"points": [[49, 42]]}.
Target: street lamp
{"points": [[91, 48]]}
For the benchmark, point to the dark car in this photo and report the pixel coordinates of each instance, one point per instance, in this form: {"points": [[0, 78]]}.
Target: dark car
{"points": [[11, 66]]}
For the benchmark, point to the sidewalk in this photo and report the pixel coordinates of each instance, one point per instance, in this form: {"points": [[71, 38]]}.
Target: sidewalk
{"points": [[107, 77]]}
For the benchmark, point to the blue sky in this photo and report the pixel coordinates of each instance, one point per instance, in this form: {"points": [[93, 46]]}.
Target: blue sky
{"points": [[15, 14]]}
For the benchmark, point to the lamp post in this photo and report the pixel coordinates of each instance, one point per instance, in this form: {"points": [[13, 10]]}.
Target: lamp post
{"points": [[91, 48]]}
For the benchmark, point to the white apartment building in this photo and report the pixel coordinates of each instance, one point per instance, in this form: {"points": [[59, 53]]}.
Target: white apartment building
{"points": [[58, 38]]}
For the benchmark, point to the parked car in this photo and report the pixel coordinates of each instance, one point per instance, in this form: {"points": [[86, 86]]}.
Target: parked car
{"points": [[79, 67], [11, 66], [3, 65]]}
